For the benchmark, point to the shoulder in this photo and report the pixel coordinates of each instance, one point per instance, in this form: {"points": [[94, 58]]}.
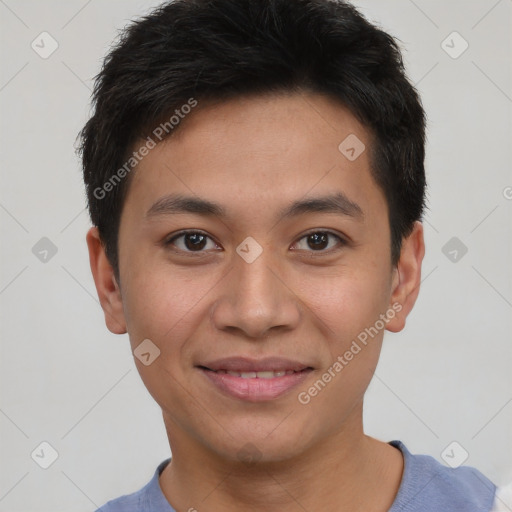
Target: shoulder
{"points": [[427, 485], [143, 500], [126, 503]]}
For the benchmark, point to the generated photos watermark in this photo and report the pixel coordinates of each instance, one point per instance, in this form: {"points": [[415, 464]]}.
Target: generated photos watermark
{"points": [[157, 135], [305, 397]]}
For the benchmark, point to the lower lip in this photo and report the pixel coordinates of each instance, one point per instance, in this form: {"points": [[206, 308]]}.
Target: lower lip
{"points": [[255, 390]]}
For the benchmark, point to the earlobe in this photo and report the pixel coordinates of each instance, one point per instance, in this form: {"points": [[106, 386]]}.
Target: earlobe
{"points": [[407, 278], [109, 293]]}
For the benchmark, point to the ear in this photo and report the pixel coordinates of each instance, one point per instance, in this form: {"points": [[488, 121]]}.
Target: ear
{"points": [[407, 278], [108, 290]]}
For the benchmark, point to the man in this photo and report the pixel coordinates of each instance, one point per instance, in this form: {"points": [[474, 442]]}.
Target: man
{"points": [[255, 179]]}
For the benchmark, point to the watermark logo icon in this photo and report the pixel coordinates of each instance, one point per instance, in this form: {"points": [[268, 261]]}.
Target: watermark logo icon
{"points": [[44, 45], [454, 454], [249, 453], [146, 352], [454, 249], [352, 147], [44, 455], [44, 250], [249, 249], [454, 45]]}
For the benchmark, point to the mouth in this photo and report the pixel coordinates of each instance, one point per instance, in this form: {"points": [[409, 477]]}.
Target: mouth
{"points": [[255, 380], [264, 374]]}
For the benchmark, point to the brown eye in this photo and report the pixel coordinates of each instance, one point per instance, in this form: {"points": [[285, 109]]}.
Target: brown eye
{"points": [[194, 241], [319, 241], [191, 241]]}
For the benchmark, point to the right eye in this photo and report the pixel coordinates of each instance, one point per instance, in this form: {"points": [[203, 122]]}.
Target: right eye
{"points": [[190, 242]]}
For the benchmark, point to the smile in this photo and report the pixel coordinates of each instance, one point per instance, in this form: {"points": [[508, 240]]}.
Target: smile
{"points": [[255, 380], [256, 375]]}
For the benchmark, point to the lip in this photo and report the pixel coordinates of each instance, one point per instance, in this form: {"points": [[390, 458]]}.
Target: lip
{"points": [[244, 364], [255, 389]]}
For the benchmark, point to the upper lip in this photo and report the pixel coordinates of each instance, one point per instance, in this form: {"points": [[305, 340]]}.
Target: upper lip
{"points": [[244, 364]]}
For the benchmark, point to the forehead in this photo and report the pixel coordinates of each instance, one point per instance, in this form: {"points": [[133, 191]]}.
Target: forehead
{"points": [[254, 151]]}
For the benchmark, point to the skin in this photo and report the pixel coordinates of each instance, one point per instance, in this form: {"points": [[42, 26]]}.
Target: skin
{"points": [[255, 156]]}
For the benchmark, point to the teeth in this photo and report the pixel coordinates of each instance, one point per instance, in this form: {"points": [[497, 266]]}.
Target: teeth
{"points": [[248, 375], [266, 375], [269, 374]]}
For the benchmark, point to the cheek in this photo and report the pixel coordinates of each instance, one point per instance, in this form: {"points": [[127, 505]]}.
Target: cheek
{"points": [[164, 306], [349, 308], [164, 309], [348, 301]]}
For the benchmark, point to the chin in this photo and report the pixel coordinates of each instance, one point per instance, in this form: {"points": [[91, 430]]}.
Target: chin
{"points": [[263, 444]]}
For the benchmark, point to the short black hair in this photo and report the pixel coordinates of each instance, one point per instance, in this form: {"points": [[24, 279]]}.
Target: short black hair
{"points": [[188, 51]]}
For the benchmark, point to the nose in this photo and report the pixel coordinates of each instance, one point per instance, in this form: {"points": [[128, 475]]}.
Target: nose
{"points": [[256, 300]]}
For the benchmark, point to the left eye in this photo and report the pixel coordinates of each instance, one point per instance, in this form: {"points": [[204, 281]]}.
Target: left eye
{"points": [[319, 241]]}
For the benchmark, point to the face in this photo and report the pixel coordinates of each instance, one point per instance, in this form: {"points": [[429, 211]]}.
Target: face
{"points": [[255, 256]]}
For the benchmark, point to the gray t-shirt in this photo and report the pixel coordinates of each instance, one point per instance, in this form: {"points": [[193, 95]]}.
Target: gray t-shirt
{"points": [[426, 486]]}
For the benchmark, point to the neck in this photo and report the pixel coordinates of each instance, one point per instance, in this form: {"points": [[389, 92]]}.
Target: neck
{"points": [[348, 471]]}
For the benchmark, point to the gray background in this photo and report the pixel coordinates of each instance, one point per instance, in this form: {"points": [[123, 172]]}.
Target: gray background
{"points": [[68, 381]]}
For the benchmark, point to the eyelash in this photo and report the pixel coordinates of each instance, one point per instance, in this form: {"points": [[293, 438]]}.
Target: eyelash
{"points": [[341, 242]]}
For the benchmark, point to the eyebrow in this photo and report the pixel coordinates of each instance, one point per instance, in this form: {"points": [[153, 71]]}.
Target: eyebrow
{"points": [[337, 203]]}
